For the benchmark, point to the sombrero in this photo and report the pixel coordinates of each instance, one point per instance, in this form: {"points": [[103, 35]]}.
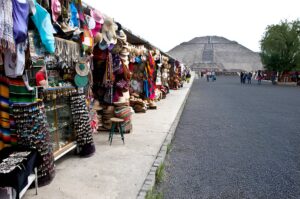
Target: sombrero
{"points": [[82, 69], [81, 81], [109, 37], [109, 31], [97, 16]]}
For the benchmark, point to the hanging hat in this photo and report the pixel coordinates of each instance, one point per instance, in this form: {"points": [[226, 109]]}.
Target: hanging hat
{"points": [[109, 37], [56, 9], [98, 38], [109, 31], [125, 52], [97, 106], [81, 81], [82, 68], [96, 29], [103, 45], [90, 21], [138, 60], [97, 16], [122, 36], [64, 28]]}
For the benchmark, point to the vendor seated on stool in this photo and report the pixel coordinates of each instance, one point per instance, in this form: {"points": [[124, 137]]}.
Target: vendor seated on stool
{"points": [[40, 77]]}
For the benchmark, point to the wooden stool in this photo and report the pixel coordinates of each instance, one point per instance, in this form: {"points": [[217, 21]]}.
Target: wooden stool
{"points": [[116, 123]]}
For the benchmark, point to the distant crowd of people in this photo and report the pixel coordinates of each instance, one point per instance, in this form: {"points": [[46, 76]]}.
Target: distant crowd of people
{"points": [[211, 75], [247, 77]]}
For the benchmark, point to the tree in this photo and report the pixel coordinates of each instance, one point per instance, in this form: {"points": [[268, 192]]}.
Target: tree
{"points": [[280, 46]]}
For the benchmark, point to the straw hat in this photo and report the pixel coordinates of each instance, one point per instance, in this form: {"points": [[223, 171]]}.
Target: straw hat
{"points": [[109, 31], [122, 36], [82, 68], [97, 16]]}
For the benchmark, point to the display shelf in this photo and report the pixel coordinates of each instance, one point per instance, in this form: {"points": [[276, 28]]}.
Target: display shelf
{"points": [[58, 88], [57, 107], [60, 124], [59, 127], [64, 150]]}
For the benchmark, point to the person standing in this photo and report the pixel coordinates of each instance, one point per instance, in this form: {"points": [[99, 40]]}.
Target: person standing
{"points": [[208, 74], [259, 77], [242, 76], [188, 77], [213, 76], [40, 77], [249, 77]]}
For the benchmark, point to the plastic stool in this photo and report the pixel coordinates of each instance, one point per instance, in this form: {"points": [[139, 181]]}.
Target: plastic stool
{"points": [[116, 123]]}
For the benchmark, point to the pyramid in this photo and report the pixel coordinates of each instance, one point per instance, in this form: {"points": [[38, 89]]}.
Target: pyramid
{"points": [[216, 53]]}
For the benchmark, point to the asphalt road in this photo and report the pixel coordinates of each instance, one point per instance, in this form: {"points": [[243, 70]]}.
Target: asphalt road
{"points": [[236, 141]]}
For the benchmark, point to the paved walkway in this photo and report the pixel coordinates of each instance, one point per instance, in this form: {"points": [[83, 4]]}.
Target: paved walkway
{"points": [[236, 141], [116, 171]]}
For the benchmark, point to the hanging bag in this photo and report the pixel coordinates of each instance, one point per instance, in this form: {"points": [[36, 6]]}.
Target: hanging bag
{"points": [[86, 38]]}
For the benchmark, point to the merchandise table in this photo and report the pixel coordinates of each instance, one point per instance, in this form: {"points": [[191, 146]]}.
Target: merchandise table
{"points": [[16, 169]]}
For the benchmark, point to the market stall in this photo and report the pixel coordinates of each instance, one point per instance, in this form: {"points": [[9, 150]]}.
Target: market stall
{"points": [[65, 71]]}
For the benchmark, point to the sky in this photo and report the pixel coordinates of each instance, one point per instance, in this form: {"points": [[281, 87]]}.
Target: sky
{"points": [[167, 23]]}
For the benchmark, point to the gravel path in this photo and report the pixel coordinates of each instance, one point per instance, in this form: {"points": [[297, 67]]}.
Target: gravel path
{"points": [[236, 141]]}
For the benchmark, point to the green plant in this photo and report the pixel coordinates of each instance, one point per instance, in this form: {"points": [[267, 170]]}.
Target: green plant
{"points": [[153, 194], [159, 175], [169, 147], [280, 46]]}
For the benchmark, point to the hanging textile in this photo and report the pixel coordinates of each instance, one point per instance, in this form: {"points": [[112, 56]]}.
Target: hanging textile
{"points": [[5, 138], [43, 23], [20, 17], [108, 79], [18, 91], [146, 89], [6, 26]]}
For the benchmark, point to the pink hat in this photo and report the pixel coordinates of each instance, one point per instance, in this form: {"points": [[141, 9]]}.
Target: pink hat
{"points": [[97, 16], [96, 29], [56, 9]]}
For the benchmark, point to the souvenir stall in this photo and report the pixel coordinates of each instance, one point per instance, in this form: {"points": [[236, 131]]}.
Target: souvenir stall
{"points": [[174, 74], [143, 68], [45, 79], [111, 75], [165, 76]]}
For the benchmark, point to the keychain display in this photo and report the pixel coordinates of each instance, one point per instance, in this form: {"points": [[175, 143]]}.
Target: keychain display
{"points": [[32, 132], [82, 125]]}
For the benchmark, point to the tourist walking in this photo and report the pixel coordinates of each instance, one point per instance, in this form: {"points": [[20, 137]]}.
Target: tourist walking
{"points": [[259, 77], [244, 78], [241, 76], [213, 76], [208, 74], [188, 77], [249, 77]]}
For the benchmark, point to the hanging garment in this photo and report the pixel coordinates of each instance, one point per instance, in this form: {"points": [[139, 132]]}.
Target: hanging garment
{"points": [[108, 79], [14, 66], [6, 26], [146, 89], [74, 20], [5, 138], [151, 89], [20, 18], [18, 92], [43, 23]]}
